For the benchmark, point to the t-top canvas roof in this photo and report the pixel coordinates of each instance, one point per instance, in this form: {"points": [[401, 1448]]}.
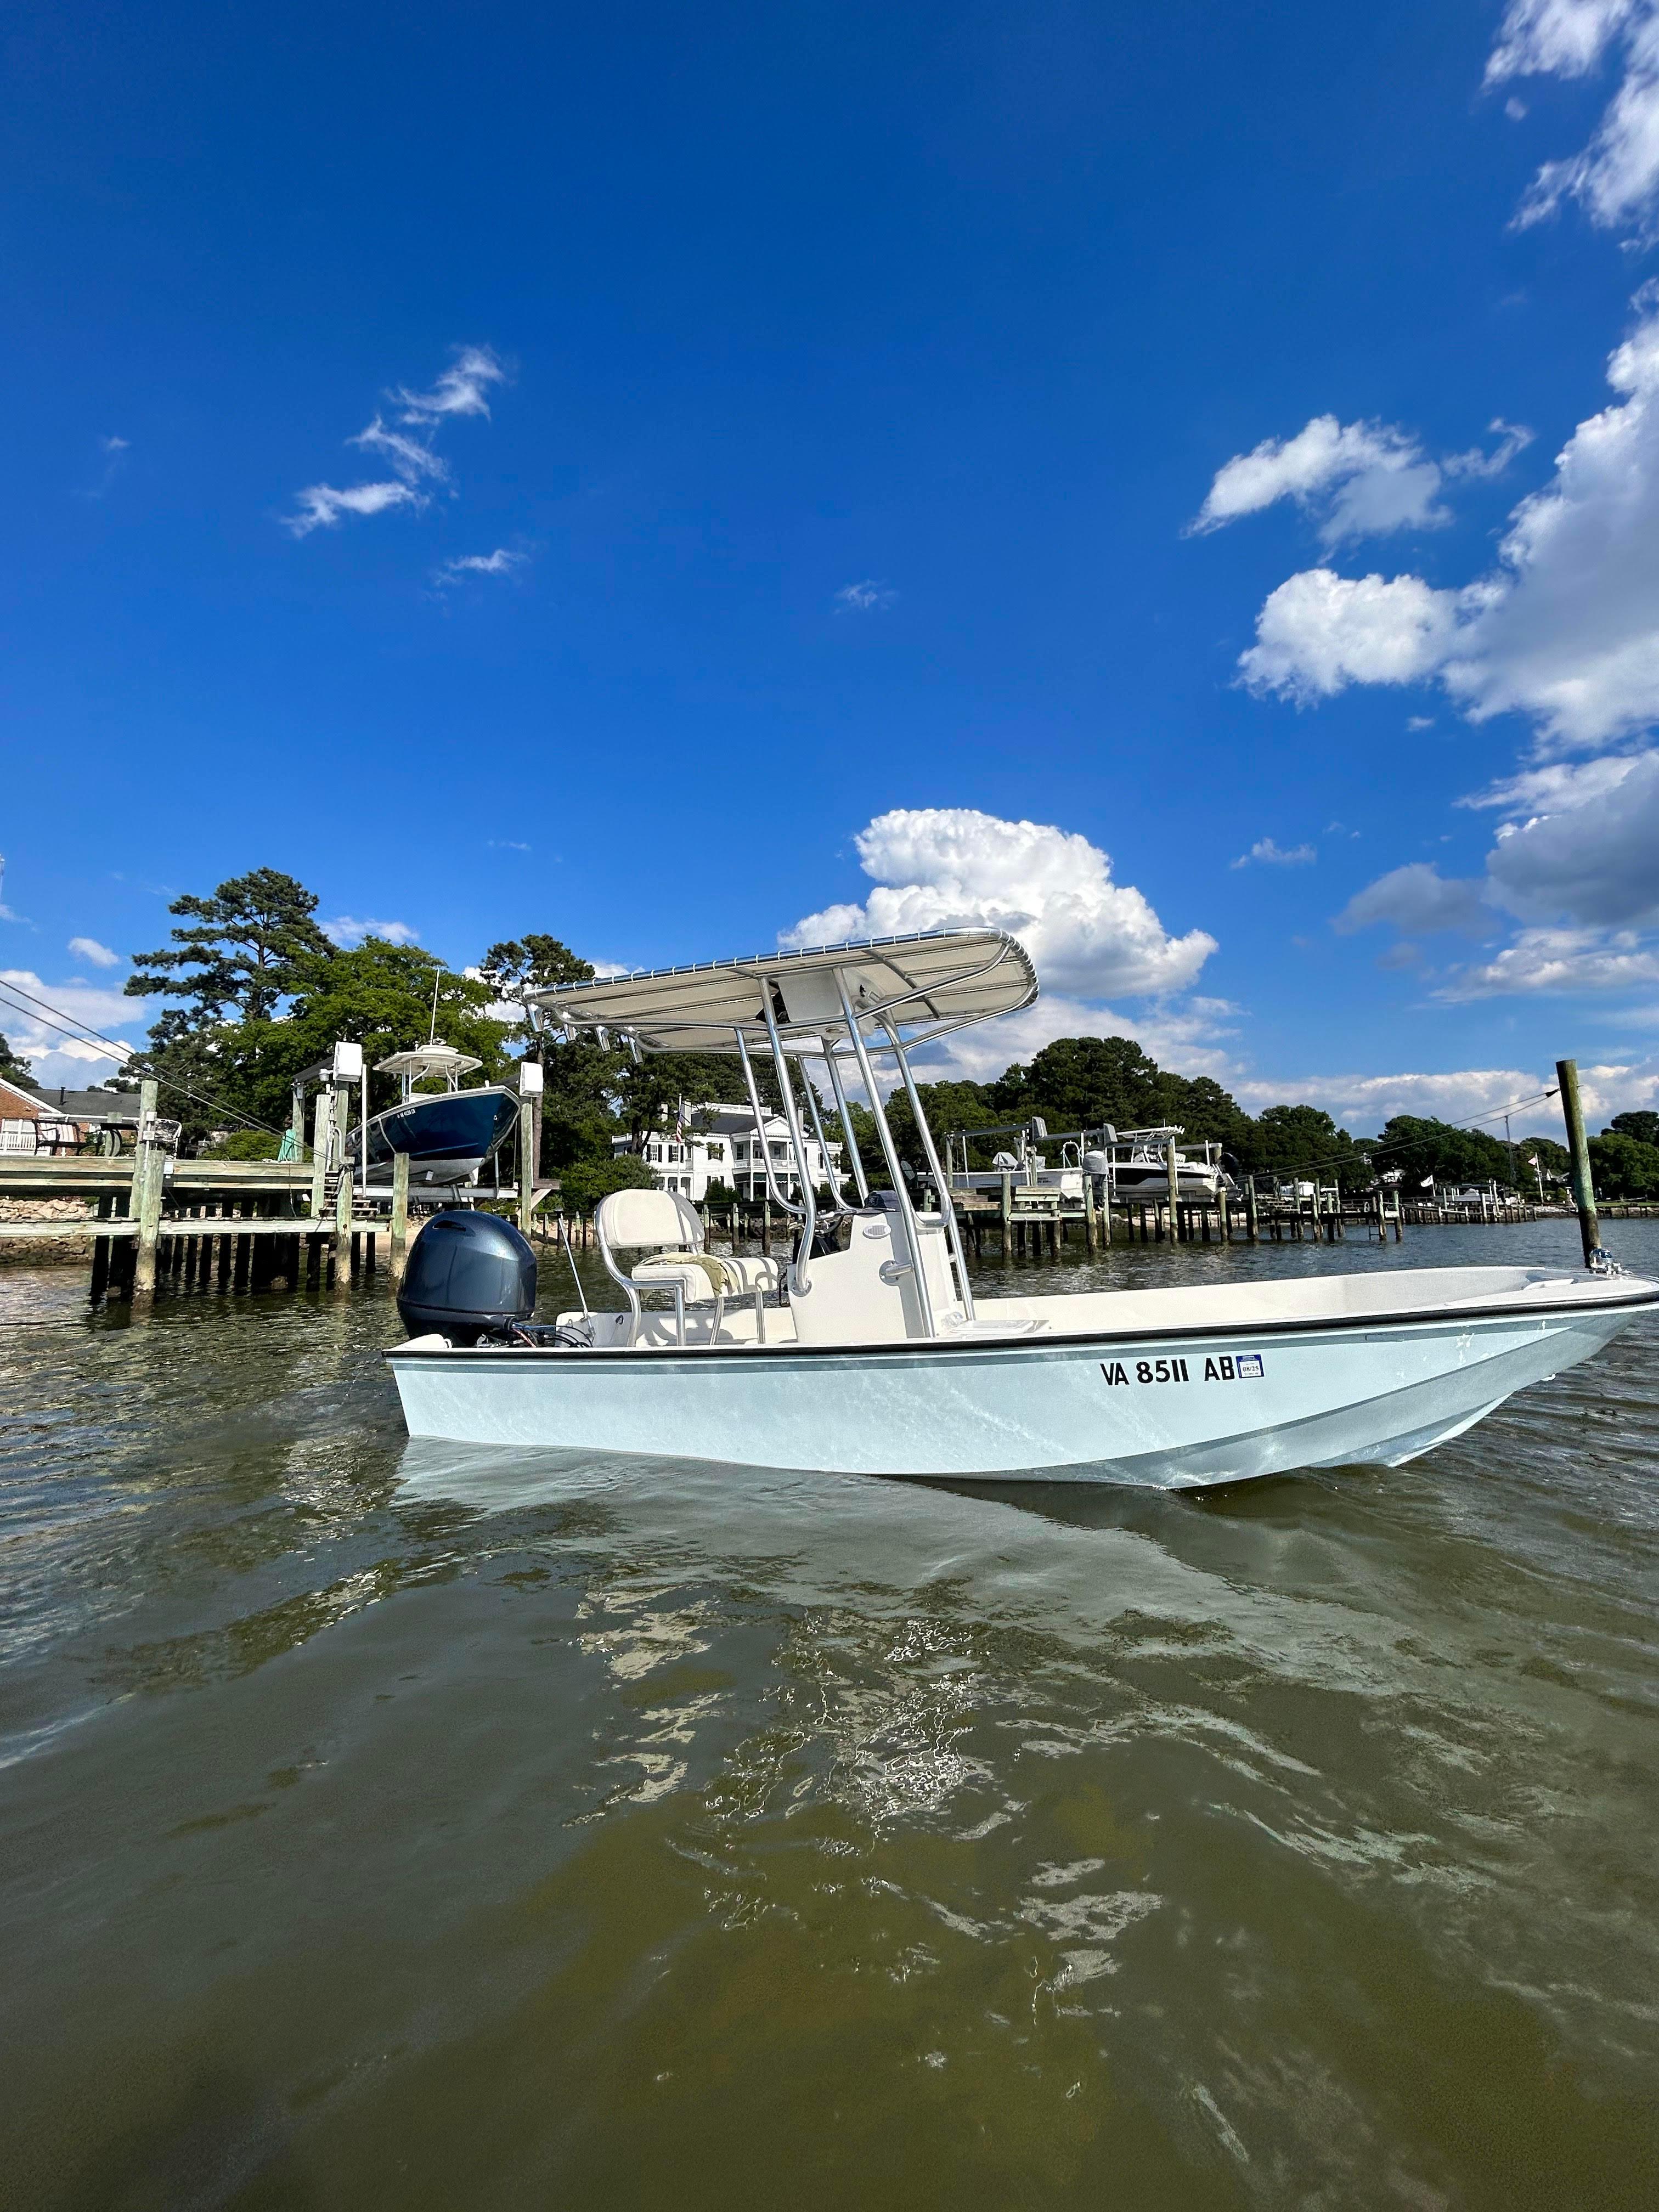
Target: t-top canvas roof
{"points": [[428, 1059], [925, 984]]}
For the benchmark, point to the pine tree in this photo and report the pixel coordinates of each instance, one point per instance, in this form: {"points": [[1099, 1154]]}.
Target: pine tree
{"points": [[251, 945]]}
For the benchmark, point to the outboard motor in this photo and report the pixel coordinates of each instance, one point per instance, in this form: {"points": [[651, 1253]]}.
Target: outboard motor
{"points": [[469, 1276]]}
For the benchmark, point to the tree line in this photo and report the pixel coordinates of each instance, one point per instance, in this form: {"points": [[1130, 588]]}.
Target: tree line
{"points": [[256, 992]]}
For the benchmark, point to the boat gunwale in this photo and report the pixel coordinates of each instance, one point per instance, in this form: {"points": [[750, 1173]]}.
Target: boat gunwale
{"points": [[1048, 1341]]}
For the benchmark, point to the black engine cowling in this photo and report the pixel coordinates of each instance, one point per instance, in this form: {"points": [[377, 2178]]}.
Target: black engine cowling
{"points": [[469, 1275]]}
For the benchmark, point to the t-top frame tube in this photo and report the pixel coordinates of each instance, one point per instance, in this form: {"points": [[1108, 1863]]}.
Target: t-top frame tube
{"points": [[773, 1191], [940, 1182], [809, 1206], [895, 1166], [855, 1159]]}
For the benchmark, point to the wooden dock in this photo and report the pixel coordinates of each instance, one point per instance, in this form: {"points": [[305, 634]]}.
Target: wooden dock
{"points": [[153, 1219]]}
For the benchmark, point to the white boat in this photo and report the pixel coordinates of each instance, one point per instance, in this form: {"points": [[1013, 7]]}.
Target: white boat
{"points": [[1124, 1164], [876, 1356]]}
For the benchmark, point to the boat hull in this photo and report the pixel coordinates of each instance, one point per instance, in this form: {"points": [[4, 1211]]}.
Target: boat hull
{"points": [[1186, 1405], [447, 1137]]}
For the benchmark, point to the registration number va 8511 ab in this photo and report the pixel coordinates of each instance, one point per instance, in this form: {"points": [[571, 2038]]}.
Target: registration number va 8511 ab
{"points": [[1221, 1367]]}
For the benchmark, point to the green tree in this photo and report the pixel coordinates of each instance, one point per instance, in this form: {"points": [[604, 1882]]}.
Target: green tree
{"points": [[586, 1181], [1642, 1125], [1623, 1167], [1083, 1083], [1303, 1141], [247, 948], [378, 995], [1420, 1147], [534, 962], [1078, 1083], [11, 1065]]}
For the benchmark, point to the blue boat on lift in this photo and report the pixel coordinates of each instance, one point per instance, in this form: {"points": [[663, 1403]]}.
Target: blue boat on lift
{"points": [[448, 1135]]}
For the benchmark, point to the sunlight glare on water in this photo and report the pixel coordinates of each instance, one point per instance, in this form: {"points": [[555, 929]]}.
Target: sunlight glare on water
{"points": [[388, 1823]]}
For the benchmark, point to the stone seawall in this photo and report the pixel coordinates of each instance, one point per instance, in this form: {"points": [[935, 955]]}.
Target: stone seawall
{"points": [[58, 1251]]}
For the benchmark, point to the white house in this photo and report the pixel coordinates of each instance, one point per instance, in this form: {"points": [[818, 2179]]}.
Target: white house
{"points": [[718, 1144]]}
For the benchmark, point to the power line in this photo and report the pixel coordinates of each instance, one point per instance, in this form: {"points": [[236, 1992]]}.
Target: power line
{"points": [[126, 1056], [1411, 1144]]}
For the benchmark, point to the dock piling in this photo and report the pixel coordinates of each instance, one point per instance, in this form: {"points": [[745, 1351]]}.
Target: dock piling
{"points": [[400, 1214], [1583, 1189], [150, 1166]]}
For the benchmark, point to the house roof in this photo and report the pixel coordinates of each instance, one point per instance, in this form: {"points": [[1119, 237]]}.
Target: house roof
{"points": [[23, 1101]]}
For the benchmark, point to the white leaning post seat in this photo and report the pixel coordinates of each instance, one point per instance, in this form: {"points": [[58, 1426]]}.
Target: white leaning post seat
{"points": [[629, 1220]]}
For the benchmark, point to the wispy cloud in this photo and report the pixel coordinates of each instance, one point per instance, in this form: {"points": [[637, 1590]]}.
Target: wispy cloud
{"points": [[459, 391], [409, 456], [414, 463], [1615, 177], [111, 454], [1277, 856], [504, 845], [862, 597], [321, 506], [502, 562], [347, 930], [88, 948]]}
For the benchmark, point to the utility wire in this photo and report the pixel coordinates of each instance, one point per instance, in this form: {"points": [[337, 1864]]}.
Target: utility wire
{"points": [[1411, 1144], [126, 1055]]}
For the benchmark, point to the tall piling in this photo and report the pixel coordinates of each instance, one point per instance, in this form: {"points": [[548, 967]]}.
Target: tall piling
{"points": [[1584, 1190], [149, 1168]]}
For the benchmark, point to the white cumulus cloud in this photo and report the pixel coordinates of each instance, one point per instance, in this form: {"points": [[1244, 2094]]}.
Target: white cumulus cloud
{"points": [[88, 948], [1277, 856], [347, 930], [1565, 630], [37, 1037], [1188, 1037], [942, 868], [863, 598], [1320, 632], [1360, 479], [1363, 1102], [1557, 960]]}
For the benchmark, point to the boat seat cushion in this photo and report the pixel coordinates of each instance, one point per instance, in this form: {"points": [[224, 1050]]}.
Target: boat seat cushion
{"points": [[691, 1270], [633, 1217]]}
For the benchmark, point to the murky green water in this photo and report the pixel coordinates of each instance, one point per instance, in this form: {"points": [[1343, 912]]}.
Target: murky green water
{"points": [[412, 1827]]}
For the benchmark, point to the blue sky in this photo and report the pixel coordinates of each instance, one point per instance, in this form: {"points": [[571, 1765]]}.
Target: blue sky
{"points": [[825, 400]]}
